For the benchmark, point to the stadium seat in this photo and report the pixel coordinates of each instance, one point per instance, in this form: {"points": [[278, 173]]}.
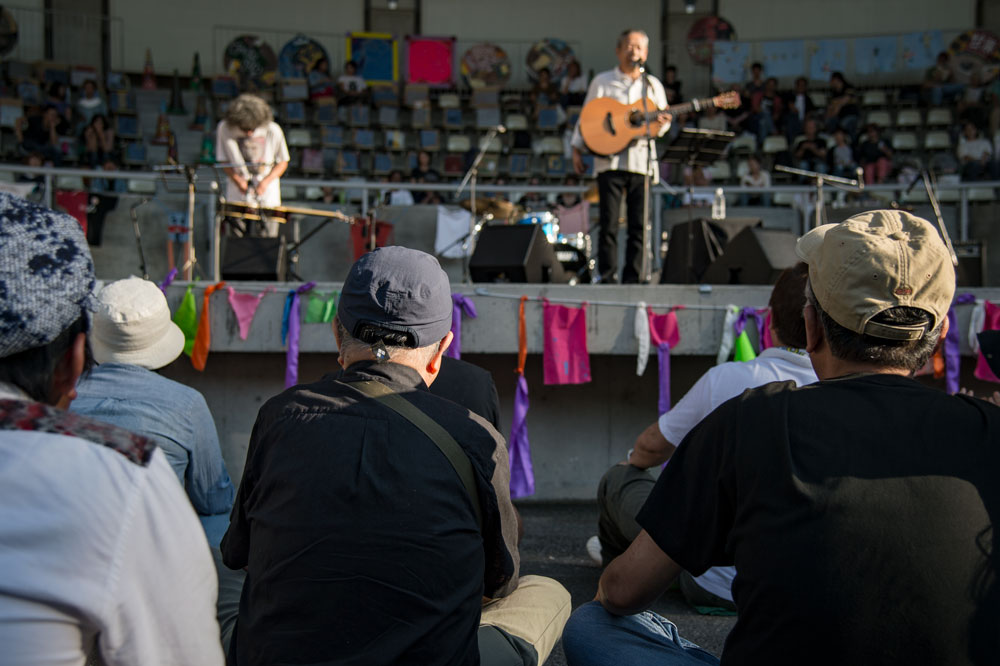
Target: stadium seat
{"points": [[349, 162], [818, 99], [430, 140], [395, 140], [485, 98], [360, 116], [555, 166], [784, 198], [775, 144], [453, 119], [312, 160], [416, 95], [938, 116], [69, 183], [449, 101], [937, 140], [549, 145], [294, 113], [948, 195], [363, 139], [331, 136], [721, 171], [454, 165], [420, 118], [289, 192], [381, 164], [134, 154], [388, 116], [487, 117], [745, 142], [519, 165], [516, 121], [981, 194], [294, 90], [299, 138], [909, 118], [489, 166], [742, 168], [874, 98], [458, 143], [495, 145], [904, 141], [384, 95], [136, 186], [326, 112], [548, 119], [880, 118]]}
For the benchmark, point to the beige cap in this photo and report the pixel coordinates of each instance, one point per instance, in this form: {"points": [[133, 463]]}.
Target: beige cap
{"points": [[875, 261]]}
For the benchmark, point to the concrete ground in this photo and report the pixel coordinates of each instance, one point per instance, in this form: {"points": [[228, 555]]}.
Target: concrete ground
{"points": [[554, 546]]}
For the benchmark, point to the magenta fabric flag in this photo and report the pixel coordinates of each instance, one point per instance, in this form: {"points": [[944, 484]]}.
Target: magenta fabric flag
{"points": [[765, 337], [168, 279], [952, 359], [566, 360], [245, 307], [522, 476], [291, 326], [992, 324], [665, 334], [459, 304]]}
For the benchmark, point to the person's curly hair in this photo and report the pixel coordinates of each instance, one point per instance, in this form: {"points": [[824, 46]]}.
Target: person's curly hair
{"points": [[248, 112]]}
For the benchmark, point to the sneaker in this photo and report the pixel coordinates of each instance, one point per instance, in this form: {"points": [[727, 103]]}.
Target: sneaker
{"points": [[594, 550]]}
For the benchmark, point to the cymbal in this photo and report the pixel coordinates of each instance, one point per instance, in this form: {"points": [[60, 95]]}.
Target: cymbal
{"points": [[495, 206], [591, 195]]}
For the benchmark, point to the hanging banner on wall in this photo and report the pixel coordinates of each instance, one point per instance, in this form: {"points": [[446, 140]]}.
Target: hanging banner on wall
{"points": [[730, 61], [975, 56], [485, 65], [376, 54], [874, 55], [827, 56], [784, 58], [251, 61], [704, 34], [918, 50], [552, 53], [430, 60]]}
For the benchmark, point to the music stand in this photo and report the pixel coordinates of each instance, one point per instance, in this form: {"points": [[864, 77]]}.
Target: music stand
{"points": [[696, 148]]}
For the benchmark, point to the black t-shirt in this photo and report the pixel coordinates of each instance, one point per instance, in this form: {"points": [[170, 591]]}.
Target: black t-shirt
{"points": [[811, 151], [858, 513], [360, 540], [469, 386]]}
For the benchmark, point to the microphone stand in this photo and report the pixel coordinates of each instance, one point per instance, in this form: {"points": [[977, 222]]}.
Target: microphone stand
{"points": [[471, 176], [645, 276], [857, 185]]}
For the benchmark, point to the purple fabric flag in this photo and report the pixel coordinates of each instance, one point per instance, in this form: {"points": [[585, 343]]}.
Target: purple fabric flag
{"points": [[665, 334], [459, 304], [167, 280], [522, 476], [663, 353], [758, 317], [291, 326], [952, 360]]}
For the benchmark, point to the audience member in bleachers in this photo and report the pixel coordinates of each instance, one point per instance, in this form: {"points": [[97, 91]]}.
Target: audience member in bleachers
{"points": [[380, 554], [756, 176], [842, 108], [799, 106], [102, 556], [672, 85], [544, 93], [534, 199], [975, 154], [59, 98], [970, 106], [569, 199], [321, 84], [98, 142], [756, 82], [90, 102], [132, 337], [104, 197], [874, 155], [573, 87], [939, 82], [424, 173], [810, 151], [842, 161], [768, 110], [739, 117], [40, 131], [248, 136], [351, 87], [399, 196]]}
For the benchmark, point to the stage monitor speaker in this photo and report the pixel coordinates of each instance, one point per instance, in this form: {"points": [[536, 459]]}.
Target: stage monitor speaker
{"points": [[515, 253], [971, 271], [259, 259], [710, 237], [754, 256]]}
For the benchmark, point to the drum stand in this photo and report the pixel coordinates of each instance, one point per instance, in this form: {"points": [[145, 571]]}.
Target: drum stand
{"points": [[470, 178]]}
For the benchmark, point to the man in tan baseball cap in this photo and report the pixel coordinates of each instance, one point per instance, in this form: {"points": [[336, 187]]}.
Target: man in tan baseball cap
{"points": [[857, 510]]}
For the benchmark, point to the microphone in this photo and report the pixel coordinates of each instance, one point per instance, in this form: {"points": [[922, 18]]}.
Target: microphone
{"points": [[860, 175], [501, 129]]}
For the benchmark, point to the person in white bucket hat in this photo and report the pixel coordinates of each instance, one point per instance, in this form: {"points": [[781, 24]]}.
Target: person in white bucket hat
{"points": [[132, 336]]}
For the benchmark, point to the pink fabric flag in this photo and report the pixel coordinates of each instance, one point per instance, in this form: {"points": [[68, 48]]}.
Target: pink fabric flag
{"points": [[765, 337], [566, 360], [665, 334], [245, 307], [992, 324]]}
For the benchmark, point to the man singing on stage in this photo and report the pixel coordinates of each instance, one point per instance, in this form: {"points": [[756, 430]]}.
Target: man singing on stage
{"points": [[621, 175], [249, 138]]}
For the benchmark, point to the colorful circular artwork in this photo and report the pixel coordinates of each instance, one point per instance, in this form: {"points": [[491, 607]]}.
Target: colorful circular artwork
{"points": [[299, 56], [251, 61], [485, 65], [8, 32], [703, 35], [552, 53], [975, 56]]}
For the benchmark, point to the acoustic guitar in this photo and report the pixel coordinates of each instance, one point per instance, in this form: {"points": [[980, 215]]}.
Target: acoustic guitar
{"points": [[609, 126]]}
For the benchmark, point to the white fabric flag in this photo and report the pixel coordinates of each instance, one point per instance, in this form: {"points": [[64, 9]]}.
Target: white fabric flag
{"points": [[641, 337], [452, 228]]}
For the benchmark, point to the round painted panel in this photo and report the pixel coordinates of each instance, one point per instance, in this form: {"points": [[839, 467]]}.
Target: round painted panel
{"points": [[975, 56], [251, 61], [299, 56], [703, 35], [485, 65], [552, 53]]}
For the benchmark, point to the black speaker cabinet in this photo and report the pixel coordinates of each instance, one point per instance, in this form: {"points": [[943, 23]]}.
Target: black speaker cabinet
{"points": [[709, 238], [754, 256], [259, 259], [515, 253]]}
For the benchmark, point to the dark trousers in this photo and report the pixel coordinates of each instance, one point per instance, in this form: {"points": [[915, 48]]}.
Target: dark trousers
{"points": [[613, 187]]}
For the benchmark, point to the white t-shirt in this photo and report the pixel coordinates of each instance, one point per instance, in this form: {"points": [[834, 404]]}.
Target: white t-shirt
{"points": [[763, 179], [351, 83], [776, 364], [97, 548], [265, 147], [577, 85], [974, 149]]}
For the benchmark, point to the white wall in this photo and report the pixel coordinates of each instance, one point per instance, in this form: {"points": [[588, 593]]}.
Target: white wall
{"points": [[174, 31]]}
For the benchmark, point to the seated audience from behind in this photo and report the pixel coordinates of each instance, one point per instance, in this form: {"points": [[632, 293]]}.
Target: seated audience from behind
{"points": [[799, 106], [842, 160], [975, 154], [350, 85], [842, 109], [756, 176], [132, 338], [810, 151], [939, 82], [768, 109], [544, 93], [90, 103], [573, 88], [874, 155], [424, 173], [320, 83], [756, 82]]}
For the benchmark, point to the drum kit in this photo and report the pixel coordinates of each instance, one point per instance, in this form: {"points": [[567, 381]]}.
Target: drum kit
{"points": [[572, 250]]}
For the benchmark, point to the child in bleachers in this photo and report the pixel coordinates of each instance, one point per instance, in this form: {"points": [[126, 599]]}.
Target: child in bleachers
{"points": [[842, 156], [874, 155], [756, 176]]}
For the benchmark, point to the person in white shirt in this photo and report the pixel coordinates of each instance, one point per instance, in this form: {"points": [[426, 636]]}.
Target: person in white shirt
{"points": [[573, 88], [253, 146], [624, 488], [974, 153], [620, 176], [102, 556], [755, 177]]}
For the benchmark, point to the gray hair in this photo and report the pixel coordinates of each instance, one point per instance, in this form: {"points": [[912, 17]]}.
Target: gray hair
{"points": [[248, 112], [622, 37]]}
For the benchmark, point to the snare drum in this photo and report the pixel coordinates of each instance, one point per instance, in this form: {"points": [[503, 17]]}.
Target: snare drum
{"points": [[548, 222]]}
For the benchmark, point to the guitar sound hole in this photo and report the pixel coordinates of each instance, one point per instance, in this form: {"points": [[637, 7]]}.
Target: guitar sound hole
{"points": [[607, 124], [635, 119]]}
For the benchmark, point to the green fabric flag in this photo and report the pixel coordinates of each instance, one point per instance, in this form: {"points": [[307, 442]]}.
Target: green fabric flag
{"points": [[744, 350], [322, 308], [186, 318]]}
